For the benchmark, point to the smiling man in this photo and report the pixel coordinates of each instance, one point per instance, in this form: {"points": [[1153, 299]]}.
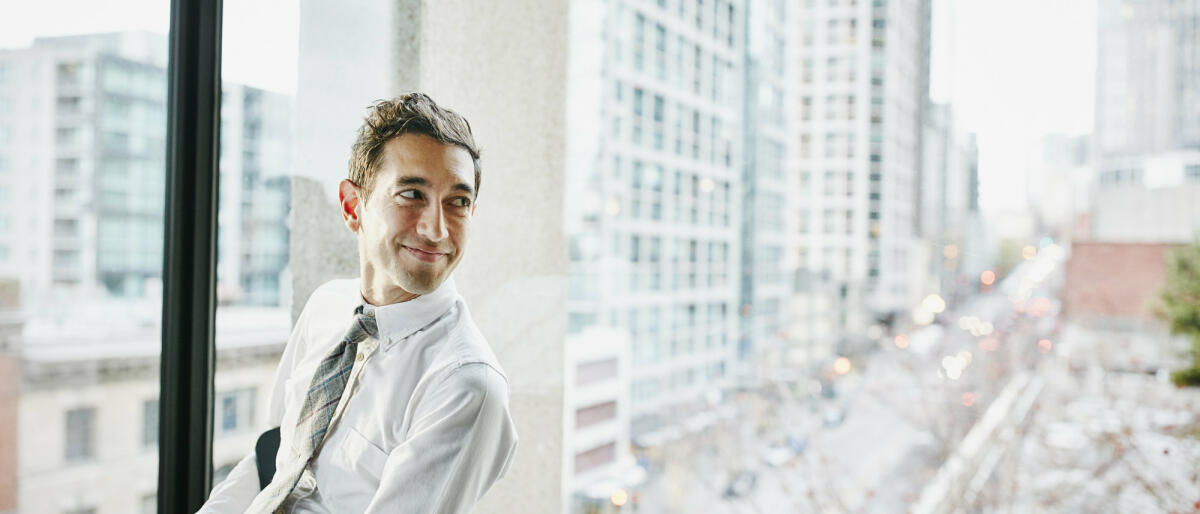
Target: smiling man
{"points": [[388, 398]]}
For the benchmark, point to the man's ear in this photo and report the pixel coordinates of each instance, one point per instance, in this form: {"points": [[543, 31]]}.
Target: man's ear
{"points": [[349, 201]]}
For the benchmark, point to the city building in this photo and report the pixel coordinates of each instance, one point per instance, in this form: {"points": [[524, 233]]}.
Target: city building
{"points": [[86, 418], [767, 121], [596, 459], [82, 173], [82, 127], [654, 185], [256, 151], [948, 209], [1147, 83], [1147, 138], [863, 88], [1061, 185]]}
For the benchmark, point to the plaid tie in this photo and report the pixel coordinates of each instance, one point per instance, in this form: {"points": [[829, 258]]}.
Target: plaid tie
{"points": [[324, 392]]}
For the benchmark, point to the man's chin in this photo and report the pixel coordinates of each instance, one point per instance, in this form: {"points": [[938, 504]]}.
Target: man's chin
{"points": [[422, 283]]}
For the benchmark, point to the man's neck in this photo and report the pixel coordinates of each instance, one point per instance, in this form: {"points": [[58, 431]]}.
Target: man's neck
{"points": [[376, 291]]}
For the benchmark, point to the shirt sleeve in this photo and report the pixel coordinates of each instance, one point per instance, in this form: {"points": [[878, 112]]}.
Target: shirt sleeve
{"points": [[237, 491], [461, 441]]}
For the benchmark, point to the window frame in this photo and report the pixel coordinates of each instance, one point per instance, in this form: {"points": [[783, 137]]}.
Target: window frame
{"points": [[189, 256]]}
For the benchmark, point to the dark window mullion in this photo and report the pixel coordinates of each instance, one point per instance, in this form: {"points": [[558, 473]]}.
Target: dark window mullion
{"points": [[189, 269]]}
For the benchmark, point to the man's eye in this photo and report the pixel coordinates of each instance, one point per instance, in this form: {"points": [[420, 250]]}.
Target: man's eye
{"points": [[462, 201], [411, 194]]}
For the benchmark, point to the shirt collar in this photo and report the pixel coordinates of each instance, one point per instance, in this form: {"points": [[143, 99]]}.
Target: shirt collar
{"points": [[400, 320]]}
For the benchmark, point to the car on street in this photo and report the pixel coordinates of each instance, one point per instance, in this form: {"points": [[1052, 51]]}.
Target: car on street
{"points": [[833, 416], [741, 483]]}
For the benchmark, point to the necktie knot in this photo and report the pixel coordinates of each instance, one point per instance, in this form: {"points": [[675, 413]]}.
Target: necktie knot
{"points": [[364, 326]]}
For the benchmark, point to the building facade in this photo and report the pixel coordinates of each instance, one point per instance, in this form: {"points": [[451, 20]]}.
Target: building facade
{"points": [[1147, 82], [86, 419], [596, 459], [82, 136], [948, 211], [862, 91], [653, 193], [1147, 139], [767, 176]]}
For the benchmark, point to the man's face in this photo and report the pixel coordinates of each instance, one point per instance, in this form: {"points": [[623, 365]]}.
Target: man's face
{"points": [[413, 228]]}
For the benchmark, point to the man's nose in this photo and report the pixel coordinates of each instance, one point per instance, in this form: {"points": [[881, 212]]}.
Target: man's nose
{"points": [[432, 224]]}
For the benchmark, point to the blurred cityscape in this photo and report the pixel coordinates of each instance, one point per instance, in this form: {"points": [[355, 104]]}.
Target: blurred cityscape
{"points": [[784, 294]]}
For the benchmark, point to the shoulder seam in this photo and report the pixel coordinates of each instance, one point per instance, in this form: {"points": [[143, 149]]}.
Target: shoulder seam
{"points": [[462, 364]]}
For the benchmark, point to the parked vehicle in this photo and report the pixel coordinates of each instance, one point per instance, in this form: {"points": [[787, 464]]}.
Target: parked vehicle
{"points": [[741, 483], [777, 455], [834, 416]]}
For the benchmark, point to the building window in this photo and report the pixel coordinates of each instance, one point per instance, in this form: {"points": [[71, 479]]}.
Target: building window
{"points": [[1191, 173], [596, 371], [236, 410], [595, 457], [639, 43], [69, 73], [831, 142], [593, 414], [80, 434], [660, 51], [150, 423]]}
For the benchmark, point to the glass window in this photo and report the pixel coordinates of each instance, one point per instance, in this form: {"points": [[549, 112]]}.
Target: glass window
{"points": [[82, 139], [86, 159], [80, 434], [150, 423]]}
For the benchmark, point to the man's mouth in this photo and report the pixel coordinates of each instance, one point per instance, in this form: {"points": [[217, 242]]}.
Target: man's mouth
{"points": [[424, 255]]}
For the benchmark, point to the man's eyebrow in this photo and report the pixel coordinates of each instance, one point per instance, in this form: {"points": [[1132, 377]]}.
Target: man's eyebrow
{"points": [[461, 186], [411, 181], [420, 181]]}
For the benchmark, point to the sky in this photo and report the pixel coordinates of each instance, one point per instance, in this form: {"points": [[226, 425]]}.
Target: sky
{"points": [[259, 36], [1013, 70]]}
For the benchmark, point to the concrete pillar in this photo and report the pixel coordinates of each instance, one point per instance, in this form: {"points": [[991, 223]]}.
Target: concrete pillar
{"points": [[502, 65]]}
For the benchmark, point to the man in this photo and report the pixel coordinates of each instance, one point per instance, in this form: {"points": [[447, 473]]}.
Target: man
{"points": [[388, 398]]}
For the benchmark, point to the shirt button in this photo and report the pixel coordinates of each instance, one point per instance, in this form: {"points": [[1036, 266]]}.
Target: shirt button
{"points": [[359, 358]]}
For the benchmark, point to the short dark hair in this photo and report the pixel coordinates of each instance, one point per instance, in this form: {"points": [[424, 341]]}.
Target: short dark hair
{"points": [[414, 113]]}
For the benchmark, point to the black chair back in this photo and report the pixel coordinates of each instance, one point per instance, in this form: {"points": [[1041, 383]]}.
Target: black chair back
{"points": [[264, 455]]}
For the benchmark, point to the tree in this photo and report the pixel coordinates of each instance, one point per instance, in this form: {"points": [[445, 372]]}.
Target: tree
{"points": [[1181, 306]]}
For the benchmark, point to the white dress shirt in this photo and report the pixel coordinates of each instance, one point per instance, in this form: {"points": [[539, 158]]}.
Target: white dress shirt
{"points": [[423, 425]]}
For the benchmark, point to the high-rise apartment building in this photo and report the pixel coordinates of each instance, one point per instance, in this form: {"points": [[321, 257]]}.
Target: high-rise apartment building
{"points": [[863, 86], [256, 155], [82, 166], [82, 127], [766, 275], [654, 189], [949, 208]]}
